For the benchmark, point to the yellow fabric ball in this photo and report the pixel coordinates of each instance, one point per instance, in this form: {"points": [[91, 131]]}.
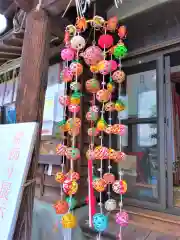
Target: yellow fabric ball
{"points": [[69, 221]]}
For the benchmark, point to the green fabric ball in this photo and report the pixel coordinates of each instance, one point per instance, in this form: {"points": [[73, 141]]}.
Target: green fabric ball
{"points": [[120, 51], [72, 202]]}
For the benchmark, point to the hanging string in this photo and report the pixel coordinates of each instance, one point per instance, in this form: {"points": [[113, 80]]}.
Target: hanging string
{"points": [[79, 7], [117, 3], [38, 7]]}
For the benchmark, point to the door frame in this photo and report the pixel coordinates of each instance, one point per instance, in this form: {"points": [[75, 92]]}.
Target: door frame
{"points": [[161, 205]]}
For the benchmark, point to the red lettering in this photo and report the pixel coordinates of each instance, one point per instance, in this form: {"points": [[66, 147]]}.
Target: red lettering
{"points": [[2, 210], [10, 172], [18, 137], [5, 190], [14, 154]]}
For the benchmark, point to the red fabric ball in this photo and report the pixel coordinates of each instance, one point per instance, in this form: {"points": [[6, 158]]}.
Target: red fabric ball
{"points": [[105, 40]]}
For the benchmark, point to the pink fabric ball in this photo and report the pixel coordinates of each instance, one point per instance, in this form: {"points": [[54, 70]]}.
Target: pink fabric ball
{"points": [[67, 75], [67, 54], [122, 219], [113, 65], [92, 55], [74, 108], [105, 40]]}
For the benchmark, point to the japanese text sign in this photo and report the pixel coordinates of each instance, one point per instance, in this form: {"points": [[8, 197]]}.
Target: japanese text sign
{"points": [[16, 147]]}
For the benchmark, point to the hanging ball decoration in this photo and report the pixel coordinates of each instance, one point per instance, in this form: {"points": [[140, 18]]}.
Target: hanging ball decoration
{"points": [[98, 22], [120, 51], [61, 207], [61, 149], [66, 75], [75, 86], [71, 29], [94, 68], [73, 153], [72, 175], [67, 54], [74, 108], [110, 107], [73, 123], [100, 222], [101, 124], [108, 130], [103, 95], [70, 187], [62, 126], [104, 67], [90, 155], [60, 177], [113, 65], [64, 100], [74, 132], [92, 85], [75, 98], [119, 129], [120, 106], [110, 205], [105, 41], [91, 116], [69, 221], [119, 76], [76, 68], [119, 187], [122, 218], [112, 154], [78, 42], [122, 32], [99, 185], [93, 132], [94, 108], [121, 156], [81, 24], [92, 55], [109, 178], [72, 202], [112, 24], [101, 152], [110, 87]]}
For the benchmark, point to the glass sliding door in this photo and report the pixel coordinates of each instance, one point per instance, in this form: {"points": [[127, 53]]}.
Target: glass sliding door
{"points": [[144, 167]]}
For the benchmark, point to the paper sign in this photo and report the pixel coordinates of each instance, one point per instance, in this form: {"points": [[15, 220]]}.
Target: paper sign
{"points": [[17, 143], [49, 109], [8, 97]]}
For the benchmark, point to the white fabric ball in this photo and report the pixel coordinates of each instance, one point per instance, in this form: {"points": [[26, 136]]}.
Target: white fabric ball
{"points": [[78, 42], [110, 205]]}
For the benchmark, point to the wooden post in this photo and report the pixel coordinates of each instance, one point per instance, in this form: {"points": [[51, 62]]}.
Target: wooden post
{"points": [[30, 102]]}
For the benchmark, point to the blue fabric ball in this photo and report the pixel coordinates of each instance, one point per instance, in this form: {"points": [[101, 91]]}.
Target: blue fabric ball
{"points": [[100, 222]]}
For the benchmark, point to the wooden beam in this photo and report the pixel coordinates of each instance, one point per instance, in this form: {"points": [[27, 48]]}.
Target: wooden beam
{"points": [[10, 49], [30, 101], [14, 41], [25, 5]]}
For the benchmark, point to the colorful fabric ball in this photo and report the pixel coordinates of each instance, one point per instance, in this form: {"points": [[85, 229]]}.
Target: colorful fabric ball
{"points": [[100, 222], [94, 108], [75, 98], [60, 177], [75, 86], [73, 123], [104, 67], [61, 149], [66, 75], [101, 124], [81, 24], [92, 85], [64, 100], [70, 187], [122, 218], [74, 108], [122, 32], [90, 155], [119, 76], [112, 23], [98, 22], [76, 68], [108, 130], [72, 202], [120, 156], [73, 153], [109, 178], [61, 207], [67, 54], [99, 185], [119, 129], [69, 221], [91, 116], [74, 132], [120, 51], [94, 68], [103, 95], [110, 87], [113, 65], [112, 154], [93, 132], [105, 41], [101, 152], [72, 175], [120, 106], [92, 55], [110, 205], [110, 107], [78, 42], [119, 187]]}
